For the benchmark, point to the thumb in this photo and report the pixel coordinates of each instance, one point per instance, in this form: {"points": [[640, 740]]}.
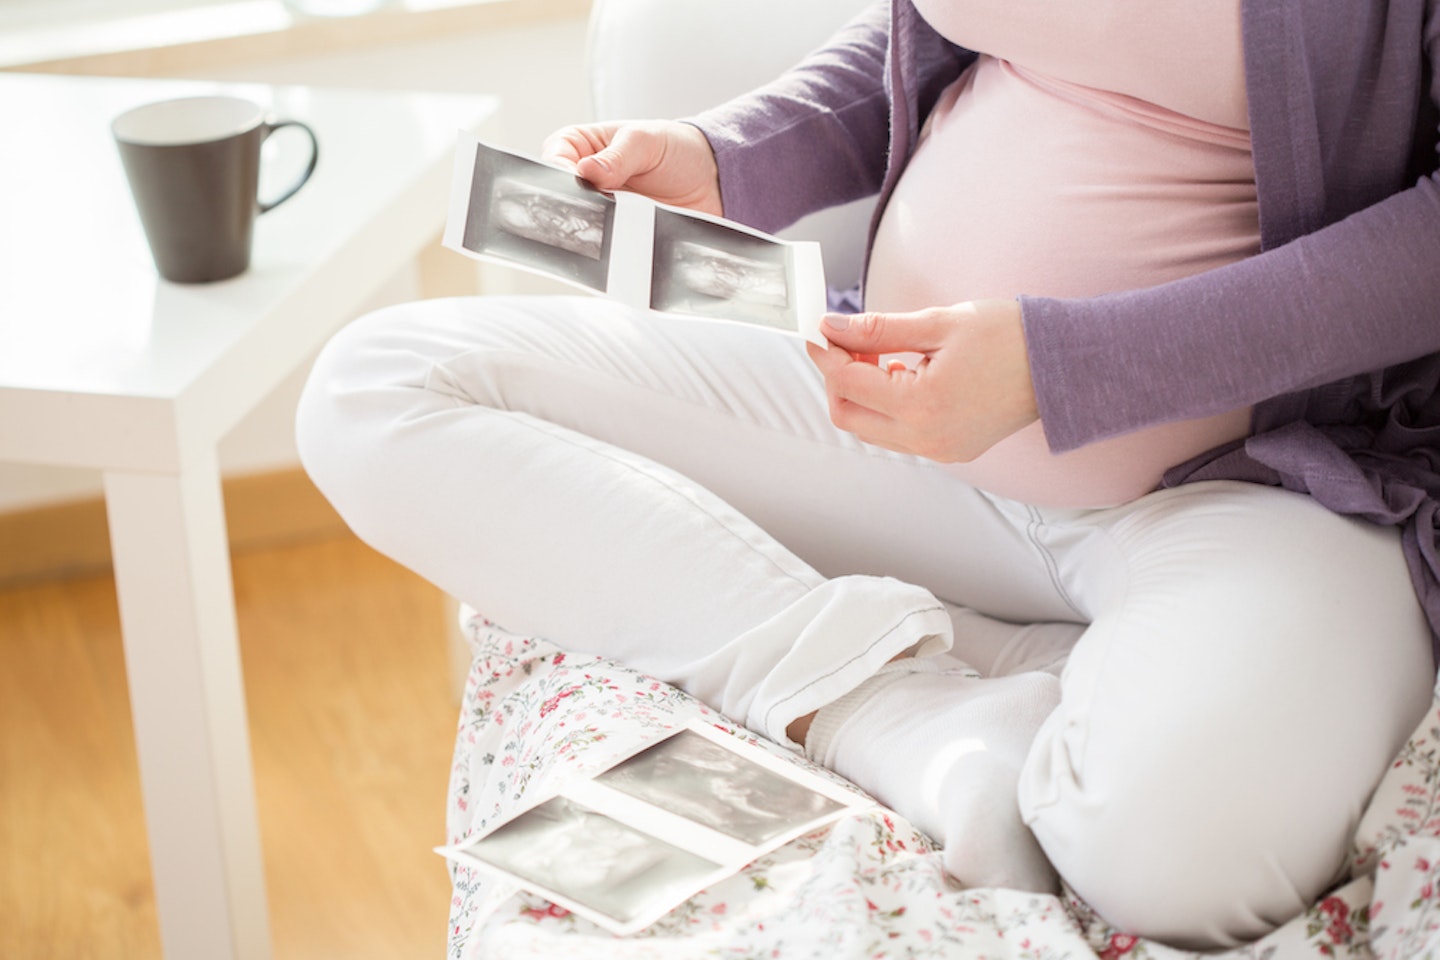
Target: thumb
{"points": [[876, 333], [630, 153]]}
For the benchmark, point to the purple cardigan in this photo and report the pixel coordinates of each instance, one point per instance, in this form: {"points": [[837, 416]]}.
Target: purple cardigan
{"points": [[1332, 332]]}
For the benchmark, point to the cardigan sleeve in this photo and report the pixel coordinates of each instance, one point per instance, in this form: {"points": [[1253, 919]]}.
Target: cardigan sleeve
{"points": [[1354, 296], [813, 138]]}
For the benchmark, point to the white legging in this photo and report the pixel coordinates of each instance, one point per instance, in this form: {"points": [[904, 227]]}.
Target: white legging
{"points": [[1239, 664]]}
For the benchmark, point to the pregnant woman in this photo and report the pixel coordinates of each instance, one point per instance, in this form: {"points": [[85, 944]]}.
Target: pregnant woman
{"points": [[1099, 541]]}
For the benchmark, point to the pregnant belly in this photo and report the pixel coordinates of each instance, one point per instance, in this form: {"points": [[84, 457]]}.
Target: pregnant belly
{"points": [[1027, 185], [1100, 474]]}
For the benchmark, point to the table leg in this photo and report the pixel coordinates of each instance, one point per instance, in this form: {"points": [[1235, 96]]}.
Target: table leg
{"points": [[177, 614]]}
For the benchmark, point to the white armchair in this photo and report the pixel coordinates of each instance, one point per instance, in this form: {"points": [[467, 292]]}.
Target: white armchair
{"points": [[672, 58]]}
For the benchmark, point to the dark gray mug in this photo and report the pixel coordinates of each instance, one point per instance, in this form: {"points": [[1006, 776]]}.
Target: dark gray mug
{"points": [[194, 170]]}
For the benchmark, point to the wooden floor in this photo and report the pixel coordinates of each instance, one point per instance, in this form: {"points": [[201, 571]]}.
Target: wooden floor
{"points": [[352, 724]]}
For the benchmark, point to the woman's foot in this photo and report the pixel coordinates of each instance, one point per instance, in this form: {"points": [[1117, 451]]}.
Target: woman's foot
{"points": [[944, 750]]}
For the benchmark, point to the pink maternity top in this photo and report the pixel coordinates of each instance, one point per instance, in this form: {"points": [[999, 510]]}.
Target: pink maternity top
{"points": [[1093, 147]]}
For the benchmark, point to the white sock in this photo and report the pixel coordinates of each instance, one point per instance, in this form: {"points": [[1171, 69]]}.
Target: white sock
{"points": [[944, 750], [830, 718]]}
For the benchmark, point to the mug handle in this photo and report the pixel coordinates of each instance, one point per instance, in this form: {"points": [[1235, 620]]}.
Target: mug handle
{"points": [[309, 168]]}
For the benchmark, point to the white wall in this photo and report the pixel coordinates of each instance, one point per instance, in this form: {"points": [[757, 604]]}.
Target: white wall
{"points": [[536, 70]]}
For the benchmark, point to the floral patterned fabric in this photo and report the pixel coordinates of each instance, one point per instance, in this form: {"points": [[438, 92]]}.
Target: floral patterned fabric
{"points": [[870, 886]]}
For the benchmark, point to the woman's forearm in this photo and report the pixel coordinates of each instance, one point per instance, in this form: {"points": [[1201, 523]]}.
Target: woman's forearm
{"points": [[1353, 297]]}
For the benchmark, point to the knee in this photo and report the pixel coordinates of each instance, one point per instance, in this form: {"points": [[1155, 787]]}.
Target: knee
{"points": [[1183, 850], [327, 412], [364, 387]]}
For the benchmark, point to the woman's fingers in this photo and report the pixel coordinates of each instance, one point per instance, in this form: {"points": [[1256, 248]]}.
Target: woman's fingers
{"points": [[968, 389]]}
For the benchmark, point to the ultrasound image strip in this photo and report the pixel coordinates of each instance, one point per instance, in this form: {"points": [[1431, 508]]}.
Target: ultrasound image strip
{"points": [[593, 861], [629, 845], [515, 210]]}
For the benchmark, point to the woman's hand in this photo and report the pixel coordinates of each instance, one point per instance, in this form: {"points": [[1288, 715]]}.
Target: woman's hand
{"points": [[665, 160], [969, 390]]}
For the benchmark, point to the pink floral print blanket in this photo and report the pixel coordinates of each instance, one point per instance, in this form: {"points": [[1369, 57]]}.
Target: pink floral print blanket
{"points": [[870, 886]]}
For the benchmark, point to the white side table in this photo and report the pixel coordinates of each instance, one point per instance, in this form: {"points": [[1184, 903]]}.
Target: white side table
{"points": [[105, 366]]}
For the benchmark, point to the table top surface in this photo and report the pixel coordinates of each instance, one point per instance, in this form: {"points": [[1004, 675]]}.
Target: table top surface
{"points": [[82, 309]]}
